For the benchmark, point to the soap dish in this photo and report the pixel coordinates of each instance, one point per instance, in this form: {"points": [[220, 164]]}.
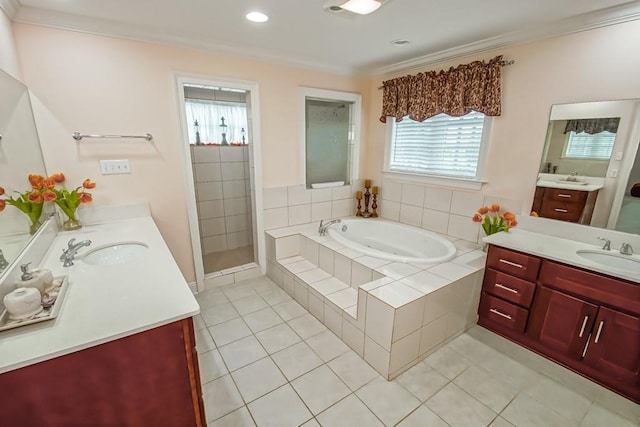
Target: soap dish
{"points": [[51, 304]]}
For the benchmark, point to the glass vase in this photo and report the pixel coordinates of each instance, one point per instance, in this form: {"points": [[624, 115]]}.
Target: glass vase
{"points": [[34, 227], [71, 224]]}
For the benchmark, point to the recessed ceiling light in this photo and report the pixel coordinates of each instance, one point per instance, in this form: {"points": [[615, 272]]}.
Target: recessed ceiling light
{"points": [[361, 7], [400, 42], [257, 17]]}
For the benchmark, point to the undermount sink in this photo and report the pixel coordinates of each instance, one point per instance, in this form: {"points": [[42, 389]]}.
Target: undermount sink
{"points": [[114, 253], [628, 263]]}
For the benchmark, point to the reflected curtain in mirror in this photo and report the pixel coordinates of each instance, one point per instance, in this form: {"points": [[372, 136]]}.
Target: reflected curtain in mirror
{"points": [[592, 126]]}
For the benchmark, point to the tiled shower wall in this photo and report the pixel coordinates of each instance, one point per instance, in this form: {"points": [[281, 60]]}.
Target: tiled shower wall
{"points": [[432, 208], [222, 181]]}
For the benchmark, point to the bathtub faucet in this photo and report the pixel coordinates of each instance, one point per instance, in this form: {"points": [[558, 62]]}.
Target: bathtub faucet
{"points": [[322, 230]]}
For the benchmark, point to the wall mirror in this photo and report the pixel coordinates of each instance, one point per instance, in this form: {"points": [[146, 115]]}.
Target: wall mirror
{"points": [[590, 164], [330, 134], [20, 155]]}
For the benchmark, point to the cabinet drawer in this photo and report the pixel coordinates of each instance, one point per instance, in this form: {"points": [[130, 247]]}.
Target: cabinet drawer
{"points": [[514, 263], [502, 314], [561, 210], [565, 196], [593, 287], [509, 288]]}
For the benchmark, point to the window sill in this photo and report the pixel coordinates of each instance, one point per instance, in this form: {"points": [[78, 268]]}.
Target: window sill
{"points": [[465, 183]]}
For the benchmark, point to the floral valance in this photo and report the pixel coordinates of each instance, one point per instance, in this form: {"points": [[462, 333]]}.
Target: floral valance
{"points": [[592, 126], [473, 86]]}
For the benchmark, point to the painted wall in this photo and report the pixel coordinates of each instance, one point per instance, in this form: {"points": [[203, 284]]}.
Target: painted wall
{"points": [[592, 65], [8, 53], [104, 85]]}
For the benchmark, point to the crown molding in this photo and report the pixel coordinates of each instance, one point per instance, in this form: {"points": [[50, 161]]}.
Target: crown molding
{"points": [[10, 7], [588, 21], [83, 24]]}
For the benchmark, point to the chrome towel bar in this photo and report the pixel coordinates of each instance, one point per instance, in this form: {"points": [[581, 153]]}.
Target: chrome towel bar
{"points": [[78, 136]]}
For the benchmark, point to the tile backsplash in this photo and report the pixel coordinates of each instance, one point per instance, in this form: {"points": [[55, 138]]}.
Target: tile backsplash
{"points": [[436, 209]]}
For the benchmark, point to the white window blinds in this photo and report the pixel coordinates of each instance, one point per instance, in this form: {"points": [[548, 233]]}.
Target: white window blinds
{"points": [[441, 145], [585, 146]]}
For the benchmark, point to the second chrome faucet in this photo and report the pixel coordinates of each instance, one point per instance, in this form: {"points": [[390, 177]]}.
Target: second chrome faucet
{"points": [[69, 254]]}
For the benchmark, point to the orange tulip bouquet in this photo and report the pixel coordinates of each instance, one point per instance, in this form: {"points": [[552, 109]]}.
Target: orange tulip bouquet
{"points": [[44, 190], [493, 221]]}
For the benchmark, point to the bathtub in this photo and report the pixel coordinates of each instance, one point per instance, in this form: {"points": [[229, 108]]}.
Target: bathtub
{"points": [[392, 241]]}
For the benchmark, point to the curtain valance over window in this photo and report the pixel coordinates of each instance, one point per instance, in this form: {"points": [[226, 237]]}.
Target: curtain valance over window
{"points": [[592, 126], [473, 86]]}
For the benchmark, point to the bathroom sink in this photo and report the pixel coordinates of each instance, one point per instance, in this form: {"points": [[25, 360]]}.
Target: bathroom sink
{"points": [[628, 263], [114, 253]]}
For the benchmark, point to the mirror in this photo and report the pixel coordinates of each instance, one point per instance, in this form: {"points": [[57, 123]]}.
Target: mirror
{"points": [[589, 165], [20, 156]]}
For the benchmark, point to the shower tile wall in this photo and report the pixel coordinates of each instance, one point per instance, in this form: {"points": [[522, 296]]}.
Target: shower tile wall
{"points": [[221, 177]]}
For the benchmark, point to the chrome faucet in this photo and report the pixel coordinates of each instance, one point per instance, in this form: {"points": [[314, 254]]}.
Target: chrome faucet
{"points": [[322, 230], [626, 249], [72, 248], [607, 243], [573, 176], [3, 262]]}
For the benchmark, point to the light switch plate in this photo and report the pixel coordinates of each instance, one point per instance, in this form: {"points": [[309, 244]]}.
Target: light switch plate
{"points": [[109, 167]]}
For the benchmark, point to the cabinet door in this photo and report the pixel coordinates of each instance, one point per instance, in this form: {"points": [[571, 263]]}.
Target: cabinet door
{"points": [[614, 347], [561, 323]]}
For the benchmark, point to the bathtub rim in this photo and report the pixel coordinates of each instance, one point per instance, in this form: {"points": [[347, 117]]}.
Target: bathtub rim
{"points": [[335, 235]]}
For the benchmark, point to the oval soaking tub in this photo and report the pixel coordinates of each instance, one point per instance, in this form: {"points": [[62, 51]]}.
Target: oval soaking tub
{"points": [[392, 241]]}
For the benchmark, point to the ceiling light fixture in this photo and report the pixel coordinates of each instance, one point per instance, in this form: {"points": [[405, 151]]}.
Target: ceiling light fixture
{"points": [[361, 7], [257, 17]]}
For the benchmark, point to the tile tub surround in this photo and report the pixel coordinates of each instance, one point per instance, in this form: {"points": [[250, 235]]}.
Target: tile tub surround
{"points": [[392, 314], [432, 208]]}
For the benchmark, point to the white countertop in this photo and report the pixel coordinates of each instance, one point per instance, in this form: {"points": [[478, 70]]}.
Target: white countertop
{"points": [[104, 302], [569, 186], [557, 249]]}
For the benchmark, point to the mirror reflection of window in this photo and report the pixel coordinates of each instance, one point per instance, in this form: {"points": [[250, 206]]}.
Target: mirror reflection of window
{"points": [[586, 146]]}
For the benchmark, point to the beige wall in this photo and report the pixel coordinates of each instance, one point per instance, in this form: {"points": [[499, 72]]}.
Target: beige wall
{"points": [[97, 84], [592, 65], [8, 53]]}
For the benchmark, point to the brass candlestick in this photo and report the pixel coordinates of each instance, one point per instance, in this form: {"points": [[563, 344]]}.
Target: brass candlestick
{"points": [[367, 195], [359, 198], [374, 203]]}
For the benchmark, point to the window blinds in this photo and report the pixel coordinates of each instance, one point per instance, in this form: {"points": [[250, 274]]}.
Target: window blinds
{"points": [[586, 146], [441, 145]]}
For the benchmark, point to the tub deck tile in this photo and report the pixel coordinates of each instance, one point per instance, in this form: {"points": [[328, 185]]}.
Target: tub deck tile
{"points": [[396, 294], [425, 282], [299, 267], [291, 260], [344, 298], [312, 276], [329, 286]]}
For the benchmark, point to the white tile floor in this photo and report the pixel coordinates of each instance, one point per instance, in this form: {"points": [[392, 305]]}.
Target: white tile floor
{"points": [[266, 361]]}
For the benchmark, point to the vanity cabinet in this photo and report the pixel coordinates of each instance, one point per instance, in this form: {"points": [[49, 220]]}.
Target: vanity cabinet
{"points": [[147, 379], [588, 322], [566, 205]]}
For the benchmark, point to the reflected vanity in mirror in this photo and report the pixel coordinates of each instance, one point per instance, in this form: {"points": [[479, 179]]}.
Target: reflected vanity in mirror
{"points": [[20, 155], [589, 165]]}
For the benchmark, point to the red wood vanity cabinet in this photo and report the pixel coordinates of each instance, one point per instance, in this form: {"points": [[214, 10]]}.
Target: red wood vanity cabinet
{"points": [[147, 379], [588, 322]]}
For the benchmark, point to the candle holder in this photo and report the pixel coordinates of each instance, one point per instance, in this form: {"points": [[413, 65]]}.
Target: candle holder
{"points": [[374, 206], [367, 195]]}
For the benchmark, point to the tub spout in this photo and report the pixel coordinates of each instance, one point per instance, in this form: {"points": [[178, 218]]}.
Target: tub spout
{"points": [[322, 230]]}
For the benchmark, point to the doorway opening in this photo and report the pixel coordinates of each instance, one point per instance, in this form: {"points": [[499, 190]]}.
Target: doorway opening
{"points": [[220, 142]]}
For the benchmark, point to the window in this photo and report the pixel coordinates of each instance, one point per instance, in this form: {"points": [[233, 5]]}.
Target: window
{"points": [[441, 145], [209, 114], [585, 146]]}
